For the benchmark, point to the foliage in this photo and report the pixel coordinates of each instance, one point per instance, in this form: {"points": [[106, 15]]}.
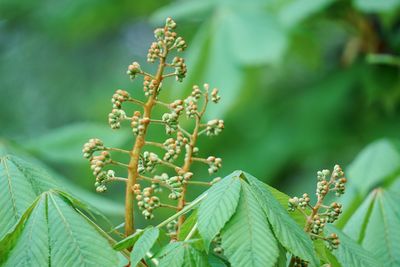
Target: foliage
{"points": [[343, 83]]}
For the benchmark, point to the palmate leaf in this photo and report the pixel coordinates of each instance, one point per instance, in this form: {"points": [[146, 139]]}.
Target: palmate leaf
{"points": [[350, 253], [144, 244], [218, 207], [373, 165], [287, 231], [21, 183], [53, 233], [180, 254], [247, 239], [382, 232]]}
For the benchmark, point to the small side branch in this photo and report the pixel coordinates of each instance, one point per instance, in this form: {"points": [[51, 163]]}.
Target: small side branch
{"points": [[184, 131], [117, 150], [120, 179], [199, 183], [138, 102], [169, 75], [154, 144], [168, 164], [168, 206], [200, 160], [119, 163]]}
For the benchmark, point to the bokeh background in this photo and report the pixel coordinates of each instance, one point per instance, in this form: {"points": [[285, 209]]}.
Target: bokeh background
{"points": [[304, 84]]}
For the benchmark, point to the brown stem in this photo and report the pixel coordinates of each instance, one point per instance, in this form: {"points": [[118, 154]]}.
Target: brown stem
{"points": [[135, 152], [189, 160]]}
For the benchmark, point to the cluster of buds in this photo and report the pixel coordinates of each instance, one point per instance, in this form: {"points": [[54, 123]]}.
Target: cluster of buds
{"points": [[190, 106], [214, 127], [149, 85], [133, 70], [137, 123], [333, 212], [150, 160], [214, 96], [171, 122], [317, 226], [177, 106], [146, 201], [180, 68], [98, 162], [321, 214], [154, 52], [173, 147], [322, 188], [119, 97], [340, 180], [218, 242], [115, 118], [214, 164], [102, 179], [92, 146], [166, 39], [302, 202], [333, 241], [174, 183]]}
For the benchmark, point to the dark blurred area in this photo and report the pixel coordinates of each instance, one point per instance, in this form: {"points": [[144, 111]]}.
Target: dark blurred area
{"points": [[304, 84]]}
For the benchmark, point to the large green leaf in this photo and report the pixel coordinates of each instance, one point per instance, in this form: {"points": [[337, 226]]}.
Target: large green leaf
{"points": [[296, 11], [247, 239], [355, 226], [287, 231], [21, 182], [350, 253], [218, 207], [376, 162], [103, 204], [53, 233], [188, 225], [173, 255], [194, 258], [144, 244], [376, 6], [65, 144], [382, 232], [129, 241], [255, 36]]}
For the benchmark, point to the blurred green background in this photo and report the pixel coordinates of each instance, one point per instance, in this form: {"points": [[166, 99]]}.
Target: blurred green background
{"points": [[304, 84]]}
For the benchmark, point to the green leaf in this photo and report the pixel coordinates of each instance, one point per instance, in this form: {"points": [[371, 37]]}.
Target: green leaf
{"points": [[255, 36], [173, 255], [382, 233], [283, 199], [349, 252], [296, 11], [105, 205], [215, 261], [355, 226], [376, 162], [129, 241], [144, 244], [247, 239], [188, 225], [287, 231], [65, 144], [21, 183], [182, 10], [194, 258], [376, 6], [55, 234], [218, 207]]}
